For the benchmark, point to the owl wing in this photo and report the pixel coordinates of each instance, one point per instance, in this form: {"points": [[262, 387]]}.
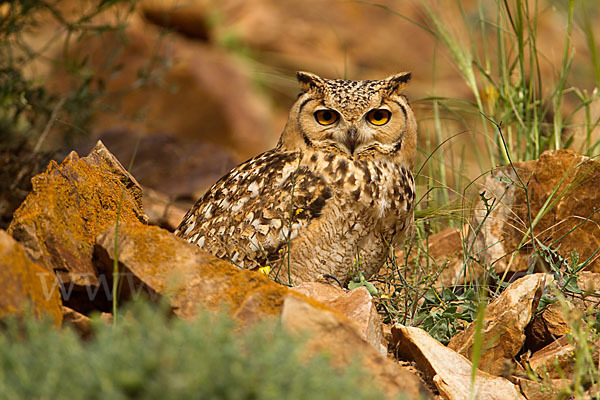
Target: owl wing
{"points": [[250, 216]]}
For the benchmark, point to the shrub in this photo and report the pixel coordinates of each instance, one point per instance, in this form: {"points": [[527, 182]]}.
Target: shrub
{"points": [[151, 356]]}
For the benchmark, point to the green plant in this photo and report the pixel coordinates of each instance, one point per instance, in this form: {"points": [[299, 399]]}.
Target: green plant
{"points": [[501, 64], [36, 120], [149, 355], [30, 109]]}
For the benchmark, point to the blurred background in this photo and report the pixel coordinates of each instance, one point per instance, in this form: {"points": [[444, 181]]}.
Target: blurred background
{"points": [[183, 90]]}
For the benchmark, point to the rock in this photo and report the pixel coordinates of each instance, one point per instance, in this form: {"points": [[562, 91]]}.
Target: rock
{"points": [[550, 390], [546, 327], [162, 211], [330, 332], [156, 262], [79, 322], [69, 206], [171, 85], [82, 323], [589, 281], [449, 371], [555, 360], [444, 258], [500, 229], [25, 287], [575, 201], [446, 249], [187, 168], [188, 18], [355, 304], [504, 324]]}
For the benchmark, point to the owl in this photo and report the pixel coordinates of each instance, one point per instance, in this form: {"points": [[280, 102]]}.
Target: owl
{"points": [[332, 197]]}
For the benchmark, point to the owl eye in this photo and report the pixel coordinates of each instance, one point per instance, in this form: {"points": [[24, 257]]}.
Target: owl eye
{"points": [[379, 116], [326, 117]]}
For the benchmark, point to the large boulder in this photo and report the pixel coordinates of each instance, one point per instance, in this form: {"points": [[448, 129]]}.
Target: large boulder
{"points": [[84, 217], [333, 335], [155, 262], [69, 206], [563, 198]]}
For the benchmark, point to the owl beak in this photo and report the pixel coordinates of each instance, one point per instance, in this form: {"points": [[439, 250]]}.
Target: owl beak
{"points": [[351, 139]]}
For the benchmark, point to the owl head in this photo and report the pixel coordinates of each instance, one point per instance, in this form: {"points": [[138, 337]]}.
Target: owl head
{"points": [[358, 119]]}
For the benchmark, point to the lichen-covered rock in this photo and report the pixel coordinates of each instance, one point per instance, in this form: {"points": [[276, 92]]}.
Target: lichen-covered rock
{"points": [[157, 262], [563, 186], [449, 371], [503, 325], [25, 287], [69, 206]]}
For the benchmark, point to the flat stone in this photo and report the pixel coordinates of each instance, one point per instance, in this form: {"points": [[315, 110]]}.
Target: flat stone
{"points": [[156, 262], [504, 324], [554, 360], [449, 371]]}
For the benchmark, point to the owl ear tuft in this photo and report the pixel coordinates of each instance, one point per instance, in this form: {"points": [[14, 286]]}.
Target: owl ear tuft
{"points": [[397, 82], [309, 81]]}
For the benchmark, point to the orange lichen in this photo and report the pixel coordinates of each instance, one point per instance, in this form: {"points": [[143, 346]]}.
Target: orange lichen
{"points": [[69, 206], [22, 290]]}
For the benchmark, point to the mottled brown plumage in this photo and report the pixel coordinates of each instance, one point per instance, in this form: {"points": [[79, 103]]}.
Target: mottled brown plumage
{"points": [[337, 185]]}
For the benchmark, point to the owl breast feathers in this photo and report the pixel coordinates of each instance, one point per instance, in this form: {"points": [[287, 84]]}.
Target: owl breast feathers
{"points": [[331, 198]]}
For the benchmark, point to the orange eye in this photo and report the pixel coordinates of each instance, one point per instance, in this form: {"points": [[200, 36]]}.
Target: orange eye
{"points": [[326, 117], [379, 116]]}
